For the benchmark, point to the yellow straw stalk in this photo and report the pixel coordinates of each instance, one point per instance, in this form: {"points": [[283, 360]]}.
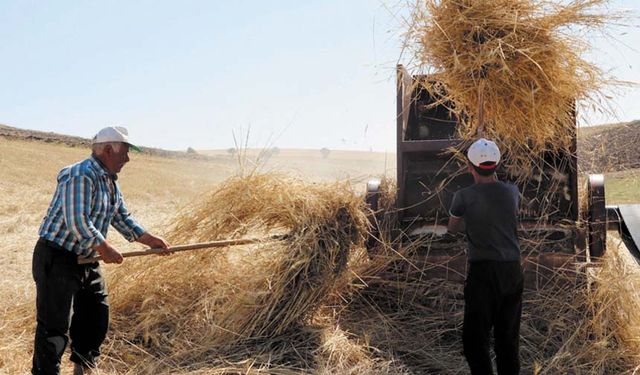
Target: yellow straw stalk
{"points": [[519, 62]]}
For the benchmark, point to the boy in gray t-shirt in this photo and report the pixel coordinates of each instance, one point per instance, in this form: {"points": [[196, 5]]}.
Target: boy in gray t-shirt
{"points": [[494, 284]]}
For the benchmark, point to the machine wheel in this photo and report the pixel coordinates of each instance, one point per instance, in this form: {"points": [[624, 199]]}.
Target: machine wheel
{"points": [[597, 216], [372, 199]]}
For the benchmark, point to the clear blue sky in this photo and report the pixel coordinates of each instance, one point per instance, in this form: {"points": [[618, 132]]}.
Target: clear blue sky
{"points": [[178, 74]]}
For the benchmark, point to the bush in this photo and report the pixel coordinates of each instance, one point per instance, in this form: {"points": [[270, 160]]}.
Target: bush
{"points": [[325, 152]]}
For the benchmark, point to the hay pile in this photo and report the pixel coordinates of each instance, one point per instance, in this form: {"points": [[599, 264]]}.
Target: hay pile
{"points": [[512, 68], [253, 303]]}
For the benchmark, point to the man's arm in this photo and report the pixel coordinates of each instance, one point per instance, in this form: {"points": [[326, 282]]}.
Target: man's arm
{"points": [[108, 253], [152, 241], [76, 206], [76, 209], [132, 231]]}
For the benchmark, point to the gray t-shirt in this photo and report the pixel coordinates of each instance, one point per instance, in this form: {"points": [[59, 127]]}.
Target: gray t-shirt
{"points": [[490, 212]]}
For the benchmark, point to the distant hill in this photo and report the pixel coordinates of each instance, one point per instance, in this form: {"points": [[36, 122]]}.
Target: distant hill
{"points": [[10, 132], [48, 137], [609, 148]]}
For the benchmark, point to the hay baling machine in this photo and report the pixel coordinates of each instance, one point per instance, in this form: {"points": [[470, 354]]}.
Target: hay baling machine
{"points": [[556, 228]]}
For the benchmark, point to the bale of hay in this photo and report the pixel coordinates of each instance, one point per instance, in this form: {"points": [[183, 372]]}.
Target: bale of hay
{"points": [[516, 63], [203, 306]]}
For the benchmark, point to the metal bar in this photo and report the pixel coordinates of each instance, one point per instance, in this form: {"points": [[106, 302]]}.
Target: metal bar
{"points": [[435, 145], [573, 168], [613, 218], [195, 246], [402, 117]]}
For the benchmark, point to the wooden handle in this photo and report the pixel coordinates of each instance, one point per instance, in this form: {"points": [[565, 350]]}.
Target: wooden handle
{"points": [[480, 129], [195, 246]]}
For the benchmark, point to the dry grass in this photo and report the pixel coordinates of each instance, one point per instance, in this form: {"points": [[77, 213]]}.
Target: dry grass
{"points": [[226, 307], [511, 69], [588, 326]]}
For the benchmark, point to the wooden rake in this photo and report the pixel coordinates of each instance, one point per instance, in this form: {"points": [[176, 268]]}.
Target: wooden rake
{"points": [[195, 246]]}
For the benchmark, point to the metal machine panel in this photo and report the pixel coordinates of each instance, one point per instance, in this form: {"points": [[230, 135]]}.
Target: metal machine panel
{"points": [[430, 184], [550, 195]]}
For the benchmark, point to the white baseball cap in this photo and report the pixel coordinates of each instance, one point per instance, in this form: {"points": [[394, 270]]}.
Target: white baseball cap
{"points": [[114, 134], [484, 153]]}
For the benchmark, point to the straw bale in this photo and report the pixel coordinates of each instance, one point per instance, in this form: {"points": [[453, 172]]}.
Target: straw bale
{"points": [[522, 59]]}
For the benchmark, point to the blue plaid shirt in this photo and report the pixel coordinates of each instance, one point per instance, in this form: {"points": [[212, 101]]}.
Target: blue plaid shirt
{"points": [[86, 201]]}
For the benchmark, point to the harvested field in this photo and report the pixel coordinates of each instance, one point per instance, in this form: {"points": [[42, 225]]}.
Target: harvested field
{"points": [[621, 167]]}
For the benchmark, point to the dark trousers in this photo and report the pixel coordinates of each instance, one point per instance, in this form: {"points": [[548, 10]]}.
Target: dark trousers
{"points": [[493, 299], [62, 285]]}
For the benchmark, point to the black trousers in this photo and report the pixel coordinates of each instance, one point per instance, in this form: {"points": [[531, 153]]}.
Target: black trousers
{"points": [[493, 299], [71, 298]]}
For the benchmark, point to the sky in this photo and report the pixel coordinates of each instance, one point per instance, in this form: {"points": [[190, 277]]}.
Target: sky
{"points": [[178, 74]]}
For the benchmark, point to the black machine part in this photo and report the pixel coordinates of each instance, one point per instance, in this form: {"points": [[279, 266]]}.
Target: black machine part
{"points": [[596, 216], [372, 199]]}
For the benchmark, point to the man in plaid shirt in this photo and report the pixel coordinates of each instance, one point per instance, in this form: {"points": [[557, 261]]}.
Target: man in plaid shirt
{"points": [[86, 201]]}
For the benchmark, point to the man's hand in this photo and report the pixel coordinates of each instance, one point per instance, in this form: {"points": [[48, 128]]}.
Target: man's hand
{"points": [[154, 242], [108, 253]]}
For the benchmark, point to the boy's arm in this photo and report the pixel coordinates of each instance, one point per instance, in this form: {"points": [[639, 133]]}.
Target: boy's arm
{"points": [[456, 212], [455, 224]]}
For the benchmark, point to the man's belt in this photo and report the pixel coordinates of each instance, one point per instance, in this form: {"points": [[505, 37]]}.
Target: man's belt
{"points": [[53, 245]]}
